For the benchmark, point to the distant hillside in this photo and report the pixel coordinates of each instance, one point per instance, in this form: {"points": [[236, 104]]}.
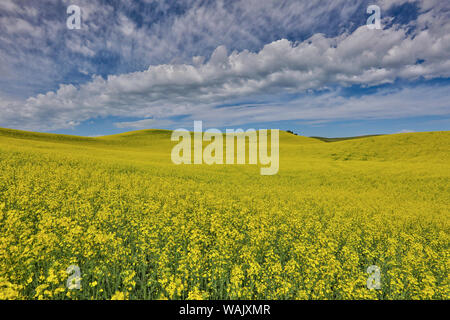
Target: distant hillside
{"points": [[425, 145], [344, 138]]}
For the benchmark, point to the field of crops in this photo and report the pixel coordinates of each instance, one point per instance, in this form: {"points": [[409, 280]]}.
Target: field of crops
{"points": [[140, 227]]}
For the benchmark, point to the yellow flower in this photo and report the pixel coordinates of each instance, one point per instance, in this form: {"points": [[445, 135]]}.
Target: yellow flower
{"points": [[118, 296]]}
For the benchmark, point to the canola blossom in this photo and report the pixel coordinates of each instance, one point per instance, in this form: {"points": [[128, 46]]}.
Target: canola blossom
{"points": [[139, 227]]}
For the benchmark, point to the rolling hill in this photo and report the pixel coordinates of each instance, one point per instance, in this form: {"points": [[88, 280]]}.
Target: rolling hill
{"points": [[140, 227]]}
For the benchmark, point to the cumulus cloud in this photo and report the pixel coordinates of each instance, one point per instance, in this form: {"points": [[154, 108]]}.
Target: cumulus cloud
{"points": [[126, 36], [193, 86]]}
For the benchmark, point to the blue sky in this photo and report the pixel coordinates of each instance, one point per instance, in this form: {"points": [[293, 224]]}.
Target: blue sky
{"points": [[313, 67]]}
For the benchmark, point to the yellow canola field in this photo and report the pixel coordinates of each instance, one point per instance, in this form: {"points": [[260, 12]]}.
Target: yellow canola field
{"points": [[139, 227]]}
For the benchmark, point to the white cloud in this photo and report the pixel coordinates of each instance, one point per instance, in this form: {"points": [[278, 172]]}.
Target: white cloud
{"points": [[193, 89], [144, 123], [332, 106]]}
